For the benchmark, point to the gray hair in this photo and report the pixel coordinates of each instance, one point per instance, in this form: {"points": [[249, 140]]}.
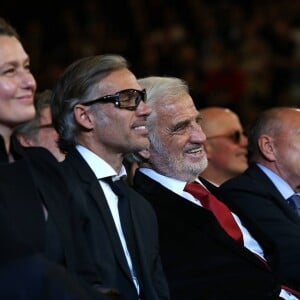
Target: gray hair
{"points": [[74, 86]]}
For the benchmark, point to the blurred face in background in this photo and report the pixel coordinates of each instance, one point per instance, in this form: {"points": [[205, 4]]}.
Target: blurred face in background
{"points": [[47, 136], [42, 134], [226, 144]]}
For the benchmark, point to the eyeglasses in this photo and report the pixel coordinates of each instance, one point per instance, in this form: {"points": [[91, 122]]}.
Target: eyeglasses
{"points": [[235, 136], [50, 125], [127, 99]]}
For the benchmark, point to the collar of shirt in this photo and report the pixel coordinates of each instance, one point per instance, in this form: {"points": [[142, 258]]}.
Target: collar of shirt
{"points": [[177, 187], [282, 186], [99, 166], [173, 184]]}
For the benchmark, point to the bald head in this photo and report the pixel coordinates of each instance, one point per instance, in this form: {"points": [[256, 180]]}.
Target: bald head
{"points": [[275, 142], [215, 118], [226, 145]]}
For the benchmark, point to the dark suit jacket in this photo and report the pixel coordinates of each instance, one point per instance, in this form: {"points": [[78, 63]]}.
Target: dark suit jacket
{"points": [[103, 238], [25, 274], [253, 196], [34, 180], [200, 260], [34, 278]]}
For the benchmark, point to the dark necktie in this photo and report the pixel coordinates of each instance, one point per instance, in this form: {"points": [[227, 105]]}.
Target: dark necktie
{"points": [[219, 209], [294, 202], [123, 207], [125, 219]]}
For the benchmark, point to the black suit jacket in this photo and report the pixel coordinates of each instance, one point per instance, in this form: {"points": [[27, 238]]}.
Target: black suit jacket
{"points": [[25, 274], [253, 196], [103, 238], [35, 180], [200, 260]]}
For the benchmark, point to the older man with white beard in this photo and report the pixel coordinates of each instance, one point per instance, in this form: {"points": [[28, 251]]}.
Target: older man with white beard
{"points": [[207, 253]]}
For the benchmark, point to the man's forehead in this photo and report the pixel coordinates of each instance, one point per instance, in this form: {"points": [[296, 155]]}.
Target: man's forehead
{"points": [[118, 80]]}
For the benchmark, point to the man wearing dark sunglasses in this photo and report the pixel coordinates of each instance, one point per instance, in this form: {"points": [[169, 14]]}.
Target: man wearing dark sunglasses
{"points": [[225, 145], [99, 110]]}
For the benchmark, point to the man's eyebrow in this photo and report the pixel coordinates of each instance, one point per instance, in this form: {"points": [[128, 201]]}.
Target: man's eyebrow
{"points": [[199, 117], [180, 124]]}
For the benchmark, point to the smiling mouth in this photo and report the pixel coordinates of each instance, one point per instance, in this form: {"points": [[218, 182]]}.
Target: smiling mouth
{"points": [[142, 127], [195, 151], [141, 130], [26, 99]]}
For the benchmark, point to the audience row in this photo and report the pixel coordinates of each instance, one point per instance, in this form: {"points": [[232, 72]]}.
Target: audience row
{"points": [[195, 221]]}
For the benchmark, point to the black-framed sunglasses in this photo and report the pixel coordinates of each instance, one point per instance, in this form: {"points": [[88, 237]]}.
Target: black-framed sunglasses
{"points": [[48, 125], [127, 99], [235, 136]]}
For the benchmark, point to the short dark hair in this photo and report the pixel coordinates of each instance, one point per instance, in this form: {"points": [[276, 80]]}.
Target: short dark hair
{"points": [[268, 122]]}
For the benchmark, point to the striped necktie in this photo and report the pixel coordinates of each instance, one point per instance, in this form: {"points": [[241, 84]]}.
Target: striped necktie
{"points": [[294, 202]]}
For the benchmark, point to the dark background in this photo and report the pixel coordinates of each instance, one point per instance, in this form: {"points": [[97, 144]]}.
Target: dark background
{"points": [[240, 54]]}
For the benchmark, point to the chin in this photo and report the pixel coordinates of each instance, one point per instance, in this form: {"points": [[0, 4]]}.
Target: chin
{"points": [[142, 145]]}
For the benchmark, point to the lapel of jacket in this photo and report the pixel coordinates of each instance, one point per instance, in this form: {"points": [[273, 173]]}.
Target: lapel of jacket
{"points": [[95, 193], [137, 219], [269, 188]]}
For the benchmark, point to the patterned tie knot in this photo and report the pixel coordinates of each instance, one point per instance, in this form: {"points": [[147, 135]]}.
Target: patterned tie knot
{"points": [[114, 185], [194, 187], [294, 202], [200, 192]]}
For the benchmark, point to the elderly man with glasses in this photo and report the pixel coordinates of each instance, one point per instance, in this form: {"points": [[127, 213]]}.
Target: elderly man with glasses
{"points": [[100, 113]]}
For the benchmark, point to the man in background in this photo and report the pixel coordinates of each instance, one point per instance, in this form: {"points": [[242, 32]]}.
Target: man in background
{"points": [[264, 195], [225, 145], [39, 132]]}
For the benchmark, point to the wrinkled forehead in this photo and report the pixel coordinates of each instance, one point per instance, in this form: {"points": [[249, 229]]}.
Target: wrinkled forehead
{"points": [[177, 110]]}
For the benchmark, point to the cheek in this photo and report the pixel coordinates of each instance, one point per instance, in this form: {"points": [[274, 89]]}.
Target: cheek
{"points": [[7, 92], [222, 149], [7, 89]]}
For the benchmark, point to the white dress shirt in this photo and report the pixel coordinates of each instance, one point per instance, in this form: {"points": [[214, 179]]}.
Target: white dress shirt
{"points": [[102, 169]]}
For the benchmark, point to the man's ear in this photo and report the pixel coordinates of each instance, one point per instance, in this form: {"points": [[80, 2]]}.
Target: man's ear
{"points": [[25, 141], [266, 147], [145, 153], [83, 117]]}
